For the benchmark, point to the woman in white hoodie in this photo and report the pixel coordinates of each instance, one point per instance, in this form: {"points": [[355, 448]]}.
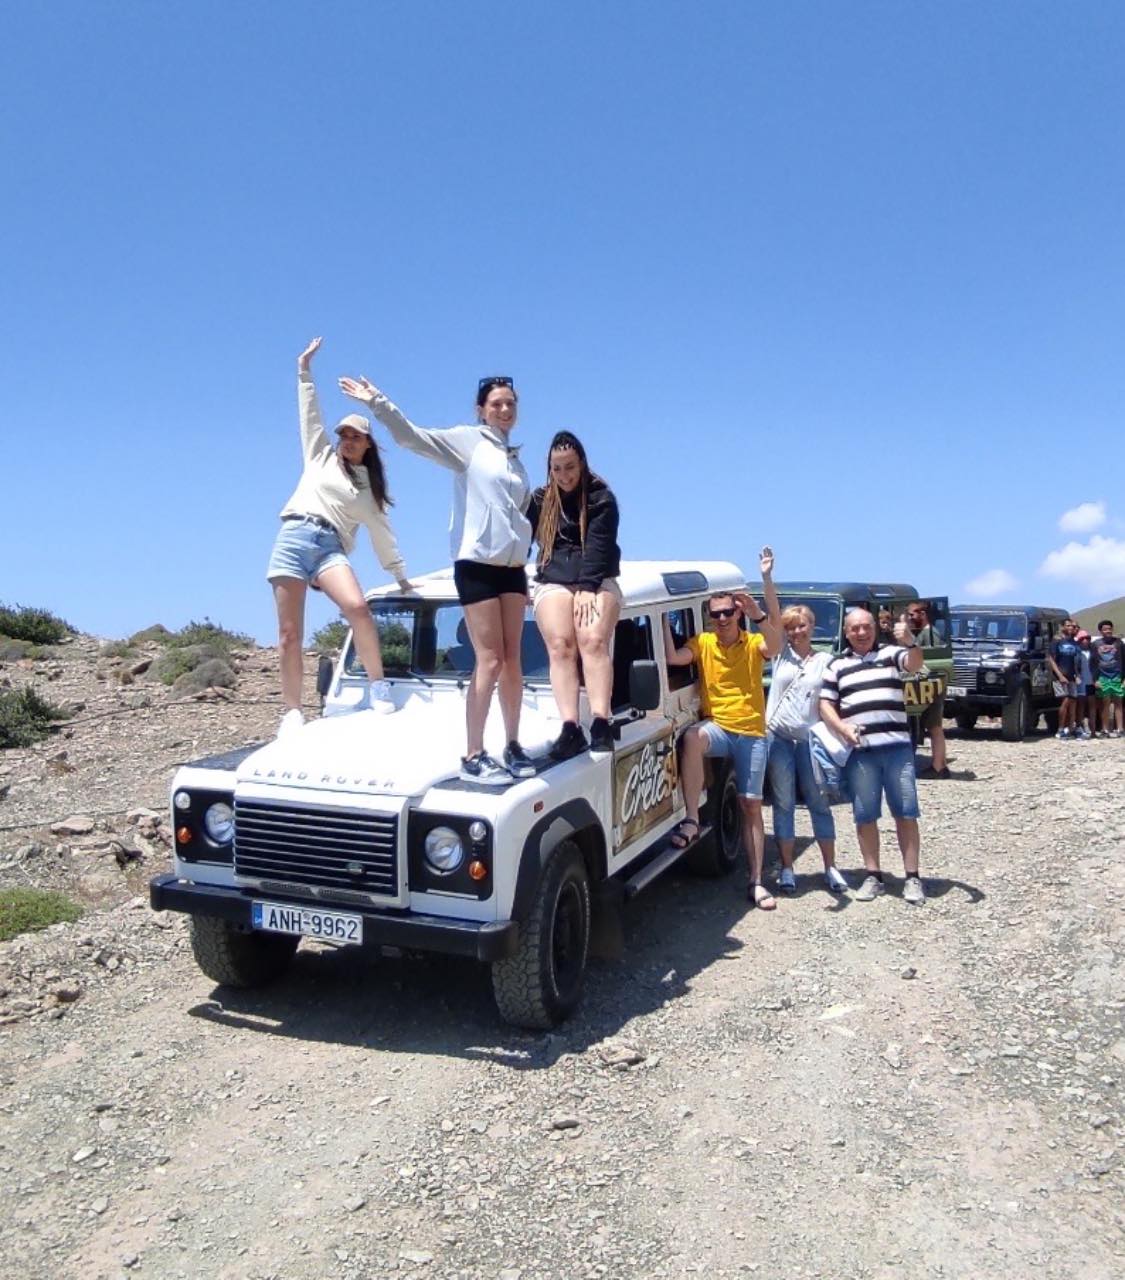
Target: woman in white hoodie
{"points": [[490, 536], [341, 487]]}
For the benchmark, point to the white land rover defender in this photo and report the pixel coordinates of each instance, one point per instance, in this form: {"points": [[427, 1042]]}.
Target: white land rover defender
{"points": [[356, 829]]}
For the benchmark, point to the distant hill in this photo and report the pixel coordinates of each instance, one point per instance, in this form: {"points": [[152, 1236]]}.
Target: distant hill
{"points": [[1089, 618]]}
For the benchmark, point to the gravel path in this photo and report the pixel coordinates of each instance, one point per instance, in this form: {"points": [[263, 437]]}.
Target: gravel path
{"points": [[835, 1090]]}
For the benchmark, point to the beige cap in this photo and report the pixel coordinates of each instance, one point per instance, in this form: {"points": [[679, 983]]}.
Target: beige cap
{"points": [[356, 421]]}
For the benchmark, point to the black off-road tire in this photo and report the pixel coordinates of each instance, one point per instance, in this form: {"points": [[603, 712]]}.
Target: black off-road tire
{"points": [[238, 958], [1015, 717], [966, 720], [541, 984], [721, 851]]}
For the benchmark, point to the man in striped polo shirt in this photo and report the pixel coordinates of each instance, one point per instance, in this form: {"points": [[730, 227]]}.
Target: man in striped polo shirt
{"points": [[861, 701]]}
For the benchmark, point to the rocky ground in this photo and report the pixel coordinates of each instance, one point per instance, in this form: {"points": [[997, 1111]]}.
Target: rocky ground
{"points": [[835, 1090]]}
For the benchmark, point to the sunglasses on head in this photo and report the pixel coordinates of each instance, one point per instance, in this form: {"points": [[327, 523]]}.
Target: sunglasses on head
{"points": [[495, 382], [722, 613]]}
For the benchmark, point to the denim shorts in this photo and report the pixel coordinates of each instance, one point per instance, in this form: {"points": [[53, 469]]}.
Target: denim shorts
{"points": [[746, 753], [872, 771], [304, 550]]}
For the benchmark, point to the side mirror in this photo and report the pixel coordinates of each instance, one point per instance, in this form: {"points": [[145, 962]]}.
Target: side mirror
{"points": [[644, 684], [324, 669]]}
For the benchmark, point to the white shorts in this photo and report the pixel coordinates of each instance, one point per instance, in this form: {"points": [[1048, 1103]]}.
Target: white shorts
{"points": [[540, 590]]}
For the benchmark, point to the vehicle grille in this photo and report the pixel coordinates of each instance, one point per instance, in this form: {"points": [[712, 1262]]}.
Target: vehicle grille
{"points": [[965, 675], [345, 851]]}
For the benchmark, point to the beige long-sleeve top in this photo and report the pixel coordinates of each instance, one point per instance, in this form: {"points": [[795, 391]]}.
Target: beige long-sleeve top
{"points": [[326, 490]]}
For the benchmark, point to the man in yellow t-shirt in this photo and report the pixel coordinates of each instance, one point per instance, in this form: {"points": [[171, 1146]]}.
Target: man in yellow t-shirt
{"points": [[730, 664]]}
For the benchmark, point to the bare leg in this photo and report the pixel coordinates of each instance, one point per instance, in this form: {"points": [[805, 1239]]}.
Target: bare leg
{"points": [[691, 769], [486, 632], [937, 747], [867, 833], [555, 617], [289, 596], [753, 836], [909, 842], [513, 610], [341, 586], [597, 665]]}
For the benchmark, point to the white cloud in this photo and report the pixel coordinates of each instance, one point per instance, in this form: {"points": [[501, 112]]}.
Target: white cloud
{"points": [[993, 582], [1084, 518], [1097, 565]]}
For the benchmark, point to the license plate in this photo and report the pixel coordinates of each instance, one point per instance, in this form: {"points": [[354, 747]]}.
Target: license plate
{"points": [[955, 691], [306, 922]]}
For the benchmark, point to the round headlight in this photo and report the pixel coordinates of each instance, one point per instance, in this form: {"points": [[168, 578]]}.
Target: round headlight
{"points": [[218, 822], [443, 850], [182, 800], [477, 831], [992, 677]]}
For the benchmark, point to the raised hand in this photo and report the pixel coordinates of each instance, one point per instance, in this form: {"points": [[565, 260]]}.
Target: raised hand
{"points": [[903, 634], [359, 389], [749, 606], [305, 358], [765, 561]]}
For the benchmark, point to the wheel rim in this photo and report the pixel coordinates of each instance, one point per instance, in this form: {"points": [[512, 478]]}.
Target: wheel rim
{"points": [[568, 940]]}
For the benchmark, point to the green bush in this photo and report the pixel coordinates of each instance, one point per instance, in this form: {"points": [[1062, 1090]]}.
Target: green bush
{"points": [[177, 661], [211, 673], [330, 638], [118, 649], [25, 717], [39, 626], [157, 632], [209, 633], [24, 910]]}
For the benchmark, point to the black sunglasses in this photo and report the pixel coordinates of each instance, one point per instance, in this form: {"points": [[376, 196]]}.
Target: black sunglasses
{"points": [[495, 382], [722, 613]]}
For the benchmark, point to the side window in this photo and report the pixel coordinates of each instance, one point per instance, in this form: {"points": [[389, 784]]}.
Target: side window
{"points": [[632, 640], [682, 625]]}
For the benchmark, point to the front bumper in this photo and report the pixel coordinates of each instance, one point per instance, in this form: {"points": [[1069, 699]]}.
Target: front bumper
{"points": [[481, 940]]}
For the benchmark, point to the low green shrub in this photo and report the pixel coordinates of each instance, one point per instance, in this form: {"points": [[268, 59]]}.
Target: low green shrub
{"points": [[157, 633], [38, 626], [25, 910], [330, 638], [211, 673], [209, 633], [26, 717], [176, 661], [118, 649]]}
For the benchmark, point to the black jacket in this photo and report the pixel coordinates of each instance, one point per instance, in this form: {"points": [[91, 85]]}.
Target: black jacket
{"points": [[570, 565]]}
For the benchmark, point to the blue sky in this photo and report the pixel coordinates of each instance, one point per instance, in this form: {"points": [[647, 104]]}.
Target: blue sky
{"points": [[847, 278]]}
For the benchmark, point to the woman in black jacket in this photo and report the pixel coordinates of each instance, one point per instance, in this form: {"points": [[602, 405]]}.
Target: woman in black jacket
{"points": [[575, 595]]}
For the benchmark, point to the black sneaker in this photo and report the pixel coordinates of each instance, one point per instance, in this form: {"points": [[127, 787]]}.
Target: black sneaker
{"points": [[601, 735], [518, 763], [483, 769], [571, 742]]}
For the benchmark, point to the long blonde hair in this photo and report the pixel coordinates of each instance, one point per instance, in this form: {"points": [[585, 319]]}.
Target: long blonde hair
{"points": [[552, 498]]}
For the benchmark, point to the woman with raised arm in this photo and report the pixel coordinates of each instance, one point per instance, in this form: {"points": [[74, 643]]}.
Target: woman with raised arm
{"points": [[576, 597], [490, 536], [341, 487]]}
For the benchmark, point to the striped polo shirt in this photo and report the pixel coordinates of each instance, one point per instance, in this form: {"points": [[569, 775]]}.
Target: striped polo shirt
{"points": [[867, 689]]}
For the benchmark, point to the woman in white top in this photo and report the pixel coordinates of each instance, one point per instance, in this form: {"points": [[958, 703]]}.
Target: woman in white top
{"points": [[791, 711], [340, 488], [490, 536]]}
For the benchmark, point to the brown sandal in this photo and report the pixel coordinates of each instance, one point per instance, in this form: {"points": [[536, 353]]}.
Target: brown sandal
{"points": [[679, 836], [759, 896]]}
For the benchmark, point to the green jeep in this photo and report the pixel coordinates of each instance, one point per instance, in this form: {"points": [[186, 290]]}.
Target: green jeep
{"points": [[886, 601]]}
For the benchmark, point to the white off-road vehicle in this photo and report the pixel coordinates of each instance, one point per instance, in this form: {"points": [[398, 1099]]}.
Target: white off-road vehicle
{"points": [[356, 829]]}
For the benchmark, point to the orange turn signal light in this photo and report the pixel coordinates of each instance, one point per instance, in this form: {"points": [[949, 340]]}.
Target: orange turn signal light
{"points": [[183, 835], [477, 870]]}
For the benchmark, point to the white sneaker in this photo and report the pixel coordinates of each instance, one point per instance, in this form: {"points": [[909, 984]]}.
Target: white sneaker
{"points": [[870, 889], [913, 892], [291, 721], [380, 698], [835, 881]]}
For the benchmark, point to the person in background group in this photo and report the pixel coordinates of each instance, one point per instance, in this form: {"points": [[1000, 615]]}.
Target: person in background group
{"points": [[933, 718], [886, 627], [1108, 666], [340, 488], [730, 664], [791, 711], [1087, 694], [1064, 659], [576, 597], [861, 701], [490, 536]]}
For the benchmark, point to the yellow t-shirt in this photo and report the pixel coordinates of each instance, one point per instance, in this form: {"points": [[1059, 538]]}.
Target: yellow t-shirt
{"points": [[732, 681]]}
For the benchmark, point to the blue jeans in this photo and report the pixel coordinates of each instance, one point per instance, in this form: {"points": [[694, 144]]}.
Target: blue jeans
{"points": [[788, 762], [745, 752], [875, 770]]}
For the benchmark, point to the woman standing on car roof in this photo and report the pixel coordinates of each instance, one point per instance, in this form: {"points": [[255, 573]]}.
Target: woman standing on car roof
{"points": [[576, 596], [340, 488], [490, 536]]}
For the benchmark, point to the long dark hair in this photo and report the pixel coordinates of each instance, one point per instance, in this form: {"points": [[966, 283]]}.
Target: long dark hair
{"points": [[552, 498], [372, 462]]}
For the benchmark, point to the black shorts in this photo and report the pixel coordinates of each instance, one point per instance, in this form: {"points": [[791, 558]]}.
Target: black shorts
{"points": [[476, 582]]}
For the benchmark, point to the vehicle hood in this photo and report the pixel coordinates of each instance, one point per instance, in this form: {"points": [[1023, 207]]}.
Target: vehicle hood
{"points": [[363, 751]]}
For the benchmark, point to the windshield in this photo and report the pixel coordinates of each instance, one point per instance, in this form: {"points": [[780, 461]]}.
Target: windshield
{"points": [[429, 639], [826, 629], [1009, 628]]}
